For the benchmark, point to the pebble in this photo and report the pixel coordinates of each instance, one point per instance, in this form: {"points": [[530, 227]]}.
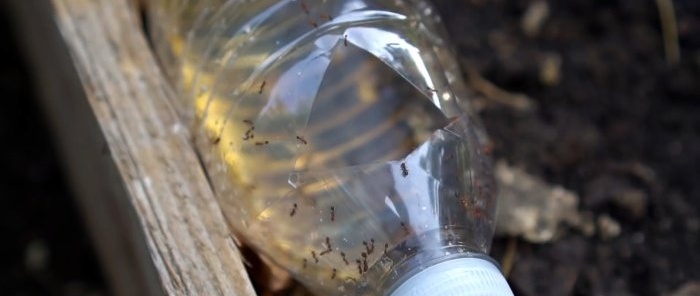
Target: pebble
{"points": [[608, 228]]}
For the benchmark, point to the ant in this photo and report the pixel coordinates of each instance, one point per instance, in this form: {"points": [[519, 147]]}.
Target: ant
{"points": [[249, 133], [342, 254], [262, 86], [329, 248], [294, 211], [369, 247]]}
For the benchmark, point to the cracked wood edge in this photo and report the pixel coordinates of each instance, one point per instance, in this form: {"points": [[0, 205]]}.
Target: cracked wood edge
{"points": [[154, 220]]}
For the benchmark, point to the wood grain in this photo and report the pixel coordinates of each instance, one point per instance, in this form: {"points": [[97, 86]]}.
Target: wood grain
{"points": [[152, 215]]}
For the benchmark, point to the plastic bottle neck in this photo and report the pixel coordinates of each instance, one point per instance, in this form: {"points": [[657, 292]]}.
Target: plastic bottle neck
{"points": [[460, 276]]}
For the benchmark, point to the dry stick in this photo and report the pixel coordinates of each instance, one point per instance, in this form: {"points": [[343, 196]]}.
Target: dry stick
{"points": [[509, 257], [495, 94], [669, 30]]}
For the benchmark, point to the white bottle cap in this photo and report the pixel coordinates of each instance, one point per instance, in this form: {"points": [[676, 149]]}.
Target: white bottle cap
{"points": [[456, 277]]}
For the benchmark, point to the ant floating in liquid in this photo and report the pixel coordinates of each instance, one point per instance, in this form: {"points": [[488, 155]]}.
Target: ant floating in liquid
{"points": [[342, 254], [313, 254], [262, 87], [294, 211], [329, 248], [369, 247]]}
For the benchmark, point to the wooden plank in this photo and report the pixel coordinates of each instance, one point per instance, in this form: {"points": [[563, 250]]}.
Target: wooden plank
{"points": [[151, 213]]}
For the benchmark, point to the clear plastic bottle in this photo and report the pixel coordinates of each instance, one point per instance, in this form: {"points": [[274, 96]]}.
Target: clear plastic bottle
{"points": [[337, 139]]}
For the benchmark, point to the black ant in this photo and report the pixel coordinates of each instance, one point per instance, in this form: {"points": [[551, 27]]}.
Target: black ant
{"points": [[368, 247], [329, 248], [262, 86], [342, 254], [294, 211]]}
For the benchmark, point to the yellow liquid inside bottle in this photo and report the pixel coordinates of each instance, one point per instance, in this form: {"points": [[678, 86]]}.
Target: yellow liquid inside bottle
{"points": [[333, 133]]}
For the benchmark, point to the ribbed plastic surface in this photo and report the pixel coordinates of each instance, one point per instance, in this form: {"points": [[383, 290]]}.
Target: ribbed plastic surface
{"points": [[458, 277]]}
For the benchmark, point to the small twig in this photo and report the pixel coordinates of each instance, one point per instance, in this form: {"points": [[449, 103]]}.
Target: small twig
{"points": [[509, 257], [493, 93], [669, 30]]}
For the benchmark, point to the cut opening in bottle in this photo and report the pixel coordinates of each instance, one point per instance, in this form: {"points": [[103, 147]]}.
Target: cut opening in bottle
{"points": [[365, 112]]}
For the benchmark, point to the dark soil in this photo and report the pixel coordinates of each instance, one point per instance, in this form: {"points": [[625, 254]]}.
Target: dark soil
{"points": [[621, 128], [617, 125]]}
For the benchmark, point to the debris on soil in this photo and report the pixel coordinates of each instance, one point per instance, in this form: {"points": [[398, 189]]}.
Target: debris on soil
{"points": [[669, 27], [608, 228], [531, 208], [494, 94], [532, 276], [618, 192], [688, 289], [534, 17], [550, 69]]}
